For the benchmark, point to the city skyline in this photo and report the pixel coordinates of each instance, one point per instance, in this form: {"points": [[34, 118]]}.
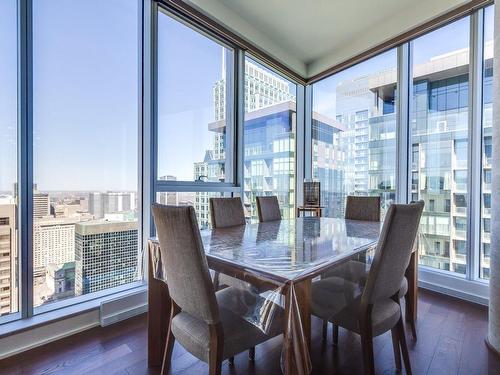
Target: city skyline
{"points": [[353, 125], [115, 174]]}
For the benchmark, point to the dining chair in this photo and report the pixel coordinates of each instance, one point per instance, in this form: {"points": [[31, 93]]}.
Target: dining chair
{"points": [[362, 208], [366, 209], [268, 208], [226, 212], [375, 308], [208, 324]]}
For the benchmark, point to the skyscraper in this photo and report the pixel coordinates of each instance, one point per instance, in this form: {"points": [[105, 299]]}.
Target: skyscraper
{"points": [[439, 170], [262, 89], [41, 204], [102, 203], [167, 197], [114, 201], [8, 259], [105, 254], [53, 242], [95, 205]]}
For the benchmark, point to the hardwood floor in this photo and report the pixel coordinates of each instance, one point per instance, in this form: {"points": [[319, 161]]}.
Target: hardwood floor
{"points": [[450, 341]]}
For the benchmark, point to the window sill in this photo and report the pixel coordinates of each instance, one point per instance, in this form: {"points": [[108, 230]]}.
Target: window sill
{"points": [[476, 291], [57, 313]]}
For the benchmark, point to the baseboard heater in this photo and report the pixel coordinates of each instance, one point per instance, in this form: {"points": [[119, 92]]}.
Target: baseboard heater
{"points": [[123, 307]]}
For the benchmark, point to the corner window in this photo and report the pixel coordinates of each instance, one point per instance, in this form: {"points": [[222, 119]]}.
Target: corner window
{"points": [[194, 106]]}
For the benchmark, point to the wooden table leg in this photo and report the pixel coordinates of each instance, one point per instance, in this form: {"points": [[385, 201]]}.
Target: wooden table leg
{"points": [[303, 293], [412, 295], [303, 296], [158, 318]]}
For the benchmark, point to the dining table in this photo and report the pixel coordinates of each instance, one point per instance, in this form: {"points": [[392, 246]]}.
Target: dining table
{"points": [[280, 260]]}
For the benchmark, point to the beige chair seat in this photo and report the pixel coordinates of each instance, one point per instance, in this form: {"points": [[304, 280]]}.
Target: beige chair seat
{"points": [[357, 272], [239, 334], [332, 294], [337, 300]]}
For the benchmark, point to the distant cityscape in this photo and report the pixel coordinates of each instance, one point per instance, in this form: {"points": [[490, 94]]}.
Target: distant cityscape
{"points": [[85, 242]]}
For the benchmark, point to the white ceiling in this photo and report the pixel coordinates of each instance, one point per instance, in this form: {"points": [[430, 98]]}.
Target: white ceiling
{"points": [[310, 36]]}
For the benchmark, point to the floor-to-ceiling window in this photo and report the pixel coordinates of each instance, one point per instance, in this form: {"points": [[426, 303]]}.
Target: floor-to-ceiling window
{"points": [[439, 129], [195, 120], [354, 133], [486, 154], [269, 138], [9, 275], [85, 148]]}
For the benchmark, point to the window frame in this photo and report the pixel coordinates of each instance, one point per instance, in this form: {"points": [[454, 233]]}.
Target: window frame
{"points": [[470, 286], [231, 115], [25, 139]]}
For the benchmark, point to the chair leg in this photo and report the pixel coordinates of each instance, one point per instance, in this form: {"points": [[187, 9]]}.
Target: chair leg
{"points": [[368, 360], [216, 349], [402, 343], [325, 329], [251, 353], [395, 347], [216, 281], [335, 335], [169, 346], [411, 318]]}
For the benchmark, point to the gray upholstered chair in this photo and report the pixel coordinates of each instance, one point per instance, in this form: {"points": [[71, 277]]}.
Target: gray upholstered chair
{"points": [[268, 208], [207, 324], [226, 212], [375, 308], [362, 208], [366, 209]]}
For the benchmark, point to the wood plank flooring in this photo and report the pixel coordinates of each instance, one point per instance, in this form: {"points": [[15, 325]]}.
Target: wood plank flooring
{"points": [[450, 341]]}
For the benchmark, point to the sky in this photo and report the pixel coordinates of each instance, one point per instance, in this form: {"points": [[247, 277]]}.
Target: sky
{"points": [[85, 69], [8, 94], [85, 94], [189, 64]]}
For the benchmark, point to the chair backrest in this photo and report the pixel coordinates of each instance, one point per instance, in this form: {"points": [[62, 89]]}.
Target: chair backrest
{"points": [[362, 208], [181, 248], [268, 208], [226, 212], [393, 252]]}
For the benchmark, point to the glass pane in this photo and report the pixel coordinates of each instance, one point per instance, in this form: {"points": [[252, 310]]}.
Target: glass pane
{"points": [[484, 269], [199, 200], [439, 131], [354, 133], [8, 159], [194, 80], [269, 136], [85, 113]]}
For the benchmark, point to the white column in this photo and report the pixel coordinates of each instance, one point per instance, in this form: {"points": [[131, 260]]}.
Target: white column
{"points": [[494, 309]]}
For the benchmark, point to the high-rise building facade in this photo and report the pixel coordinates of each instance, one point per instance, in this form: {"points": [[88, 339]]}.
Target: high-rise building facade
{"points": [[102, 203], [53, 243], [8, 259], [41, 204], [167, 197], [263, 91], [95, 205], [105, 255], [366, 140]]}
